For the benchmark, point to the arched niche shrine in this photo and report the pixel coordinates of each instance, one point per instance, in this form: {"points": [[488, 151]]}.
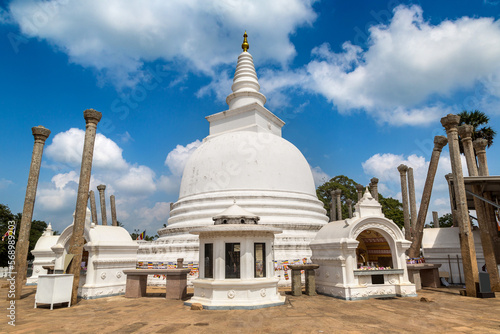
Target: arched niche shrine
{"points": [[362, 257]]}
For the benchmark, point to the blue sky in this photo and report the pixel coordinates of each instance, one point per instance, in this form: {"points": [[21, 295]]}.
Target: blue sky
{"points": [[361, 86]]}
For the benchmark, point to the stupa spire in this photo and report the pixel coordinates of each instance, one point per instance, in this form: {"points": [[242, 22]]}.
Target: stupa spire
{"points": [[245, 83], [245, 46]]}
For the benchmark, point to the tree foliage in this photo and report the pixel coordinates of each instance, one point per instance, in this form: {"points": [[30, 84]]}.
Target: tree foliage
{"points": [[445, 220], [137, 232], [392, 208], [348, 187], [479, 122], [37, 228]]}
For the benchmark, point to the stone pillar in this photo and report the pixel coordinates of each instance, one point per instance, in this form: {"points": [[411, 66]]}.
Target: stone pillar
{"points": [[374, 188], [480, 147], [296, 283], [413, 202], [338, 192], [102, 197], [360, 189], [333, 211], [404, 193], [113, 210], [349, 206], [453, 205], [465, 132], [439, 143], [93, 207], [92, 117], [435, 218], [22, 246], [469, 261]]}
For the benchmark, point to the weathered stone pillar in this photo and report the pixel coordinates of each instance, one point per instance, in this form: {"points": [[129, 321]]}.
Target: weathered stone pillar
{"points": [[435, 218], [349, 206], [453, 204], [480, 147], [439, 143], [374, 188], [338, 192], [296, 283], [23, 242], [469, 261], [333, 211], [92, 117], [93, 207], [413, 202], [360, 189], [113, 210], [404, 193], [102, 197], [465, 132]]}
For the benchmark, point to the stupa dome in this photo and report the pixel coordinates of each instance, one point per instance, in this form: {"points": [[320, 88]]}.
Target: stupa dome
{"points": [[246, 160]]}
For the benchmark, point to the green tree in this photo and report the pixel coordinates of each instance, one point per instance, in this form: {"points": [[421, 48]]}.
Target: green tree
{"points": [[392, 209], [479, 122], [37, 228], [445, 220], [342, 182], [137, 232]]}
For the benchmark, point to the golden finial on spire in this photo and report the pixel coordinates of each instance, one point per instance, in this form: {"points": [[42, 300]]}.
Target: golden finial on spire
{"points": [[245, 45]]}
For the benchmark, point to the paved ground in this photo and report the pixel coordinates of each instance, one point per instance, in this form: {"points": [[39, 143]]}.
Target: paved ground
{"points": [[445, 312]]}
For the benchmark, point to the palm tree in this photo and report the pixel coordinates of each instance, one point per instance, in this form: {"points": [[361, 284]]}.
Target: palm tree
{"points": [[478, 120]]}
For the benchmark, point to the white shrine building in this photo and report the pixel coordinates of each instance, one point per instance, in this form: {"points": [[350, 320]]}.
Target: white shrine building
{"points": [[244, 158]]}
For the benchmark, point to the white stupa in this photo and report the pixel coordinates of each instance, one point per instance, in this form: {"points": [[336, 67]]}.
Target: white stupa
{"points": [[244, 158]]}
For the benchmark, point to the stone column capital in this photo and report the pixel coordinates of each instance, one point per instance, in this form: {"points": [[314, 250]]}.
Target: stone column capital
{"points": [[480, 145], [440, 142], [92, 116], [40, 133], [402, 169], [338, 192], [374, 180], [101, 187], [360, 187], [348, 201], [332, 193], [450, 122], [465, 131]]}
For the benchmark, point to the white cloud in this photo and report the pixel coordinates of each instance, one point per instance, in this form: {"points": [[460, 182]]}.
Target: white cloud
{"points": [[4, 183], [177, 158], [58, 200], [61, 180], [169, 184], [319, 176], [126, 137], [67, 148], [119, 38], [384, 167], [160, 212], [137, 181], [408, 62]]}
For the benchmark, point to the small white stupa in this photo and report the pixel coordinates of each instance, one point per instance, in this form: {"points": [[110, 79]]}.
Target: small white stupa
{"points": [[236, 263], [243, 158], [44, 256]]}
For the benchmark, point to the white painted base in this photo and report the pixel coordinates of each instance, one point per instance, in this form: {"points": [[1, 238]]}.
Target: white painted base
{"points": [[236, 293]]}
